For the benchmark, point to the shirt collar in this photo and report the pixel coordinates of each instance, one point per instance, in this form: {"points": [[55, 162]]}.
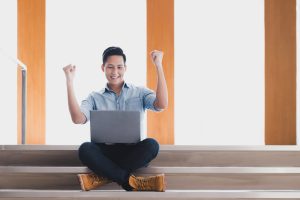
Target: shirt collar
{"points": [[106, 89]]}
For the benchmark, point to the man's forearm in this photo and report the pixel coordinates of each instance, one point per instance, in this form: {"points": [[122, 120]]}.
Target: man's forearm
{"points": [[161, 101], [75, 112]]}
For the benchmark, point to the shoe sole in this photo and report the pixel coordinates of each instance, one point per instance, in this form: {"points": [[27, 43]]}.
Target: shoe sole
{"points": [[81, 183]]}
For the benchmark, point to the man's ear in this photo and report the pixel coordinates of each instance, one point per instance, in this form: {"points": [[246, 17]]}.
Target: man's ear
{"points": [[125, 66], [102, 67]]}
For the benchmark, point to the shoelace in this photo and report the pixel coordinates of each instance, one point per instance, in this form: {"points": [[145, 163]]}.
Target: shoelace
{"points": [[146, 183], [97, 179]]}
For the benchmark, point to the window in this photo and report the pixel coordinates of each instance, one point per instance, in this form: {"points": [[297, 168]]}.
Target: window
{"points": [[77, 32], [8, 75], [219, 72]]}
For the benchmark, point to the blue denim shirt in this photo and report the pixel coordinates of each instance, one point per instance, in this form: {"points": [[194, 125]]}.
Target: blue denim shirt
{"points": [[131, 98]]}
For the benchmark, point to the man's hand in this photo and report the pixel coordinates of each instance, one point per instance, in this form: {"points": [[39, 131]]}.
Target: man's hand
{"points": [[156, 57], [77, 116], [161, 101], [70, 72]]}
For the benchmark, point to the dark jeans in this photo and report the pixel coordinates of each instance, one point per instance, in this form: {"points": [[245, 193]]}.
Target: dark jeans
{"points": [[116, 162]]}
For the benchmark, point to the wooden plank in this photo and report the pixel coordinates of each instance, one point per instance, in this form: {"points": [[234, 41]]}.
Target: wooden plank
{"points": [[165, 158], [160, 36], [234, 148], [154, 170], [31, 51], [177, 179], [169, 155], [280, 72], [169, 194]]}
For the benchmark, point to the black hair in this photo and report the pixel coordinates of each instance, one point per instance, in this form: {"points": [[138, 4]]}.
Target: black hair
{"points": [[111, 51]]}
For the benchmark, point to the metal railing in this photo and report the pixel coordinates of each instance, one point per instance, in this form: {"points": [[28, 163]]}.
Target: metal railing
{"points": [[24, 92]]}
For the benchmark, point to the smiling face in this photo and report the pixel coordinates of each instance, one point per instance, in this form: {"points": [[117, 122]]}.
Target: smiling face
{"points": [[114, 69]]}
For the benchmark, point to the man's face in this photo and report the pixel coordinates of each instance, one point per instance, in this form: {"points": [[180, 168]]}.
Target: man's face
{"points": [[114, 69]]}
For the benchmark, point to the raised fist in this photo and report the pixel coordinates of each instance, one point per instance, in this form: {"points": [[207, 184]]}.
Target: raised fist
{"points": [[156, 57], [70, 72]]}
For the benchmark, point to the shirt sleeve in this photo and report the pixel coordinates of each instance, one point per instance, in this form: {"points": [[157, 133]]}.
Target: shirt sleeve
{"points": [[86, 106], [148, 100]]}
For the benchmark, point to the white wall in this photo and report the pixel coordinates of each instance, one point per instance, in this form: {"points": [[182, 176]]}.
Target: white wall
{"points": [[219, 72], [298, 68], [77, 32], [219, 64], [8, 74]]}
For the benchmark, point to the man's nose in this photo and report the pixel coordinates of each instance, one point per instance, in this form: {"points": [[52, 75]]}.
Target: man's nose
{"points": [[115, 70]]}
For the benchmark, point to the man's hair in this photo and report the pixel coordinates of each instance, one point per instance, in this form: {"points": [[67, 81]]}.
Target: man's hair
{"points": [[112, 51]]}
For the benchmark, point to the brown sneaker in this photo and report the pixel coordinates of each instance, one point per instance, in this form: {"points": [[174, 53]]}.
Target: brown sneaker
{"points": [[91, 181], [150, 183]]}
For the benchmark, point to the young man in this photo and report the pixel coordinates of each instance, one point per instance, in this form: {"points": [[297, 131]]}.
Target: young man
{"points": [[116, 162]]}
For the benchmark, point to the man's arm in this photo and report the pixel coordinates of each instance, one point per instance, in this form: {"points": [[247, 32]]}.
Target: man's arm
{"points": [[77, 116], [161, 101]]}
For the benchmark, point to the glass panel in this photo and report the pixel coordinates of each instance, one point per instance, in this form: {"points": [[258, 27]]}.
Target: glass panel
{"points": [[219, 72], [298, 68], [77, 32], [8, 75]]}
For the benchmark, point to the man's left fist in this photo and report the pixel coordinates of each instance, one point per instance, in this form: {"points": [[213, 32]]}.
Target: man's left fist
{"points": [[157, 57]]}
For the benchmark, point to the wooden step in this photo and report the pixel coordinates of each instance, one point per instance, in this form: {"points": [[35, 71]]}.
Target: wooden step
{"points": [[170, 155], [178, 178], [169, 194]]}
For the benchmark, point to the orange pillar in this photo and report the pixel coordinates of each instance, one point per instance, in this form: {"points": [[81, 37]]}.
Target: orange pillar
{"points": [[160, 36], [280, 72], [31, 51]]}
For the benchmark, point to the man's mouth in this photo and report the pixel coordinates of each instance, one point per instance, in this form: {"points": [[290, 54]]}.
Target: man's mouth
{"points": [[114, 77]]}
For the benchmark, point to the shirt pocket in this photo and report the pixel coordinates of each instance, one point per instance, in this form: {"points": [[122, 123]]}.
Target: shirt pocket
{"points": [[134, 104]]}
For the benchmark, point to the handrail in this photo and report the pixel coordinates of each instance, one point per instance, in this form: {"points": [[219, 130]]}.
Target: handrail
{"points": [[24, 91]]}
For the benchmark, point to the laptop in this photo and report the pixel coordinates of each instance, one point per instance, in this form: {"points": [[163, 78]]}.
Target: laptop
{"points": [[115, 126]]}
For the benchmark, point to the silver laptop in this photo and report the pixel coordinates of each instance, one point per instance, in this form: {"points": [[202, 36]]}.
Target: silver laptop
{"points": [[115, 126]]}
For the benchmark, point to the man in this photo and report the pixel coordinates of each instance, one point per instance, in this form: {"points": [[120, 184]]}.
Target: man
{"points": [[116, 162]]}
